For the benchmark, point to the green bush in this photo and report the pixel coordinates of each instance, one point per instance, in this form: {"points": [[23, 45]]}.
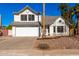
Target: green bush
{"points": [[9, 27]]}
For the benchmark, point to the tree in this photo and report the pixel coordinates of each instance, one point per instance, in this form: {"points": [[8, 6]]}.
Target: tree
{"points": [[76, 10], [9, 27], [64, 10], [67, 12]]}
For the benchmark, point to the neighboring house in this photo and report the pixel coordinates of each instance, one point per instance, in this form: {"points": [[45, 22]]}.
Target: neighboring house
{"points": [[57, 26], [26, 23]]}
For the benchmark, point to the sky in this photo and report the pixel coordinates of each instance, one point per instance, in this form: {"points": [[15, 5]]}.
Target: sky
{"points": [[7, 10]]}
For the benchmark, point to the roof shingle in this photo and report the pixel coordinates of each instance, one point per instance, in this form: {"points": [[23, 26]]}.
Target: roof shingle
{"points": [[50, 19]]}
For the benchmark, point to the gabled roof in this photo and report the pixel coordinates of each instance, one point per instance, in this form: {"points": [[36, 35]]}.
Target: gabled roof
{"points": [[26, 7], [26, 24], [51, 19]]}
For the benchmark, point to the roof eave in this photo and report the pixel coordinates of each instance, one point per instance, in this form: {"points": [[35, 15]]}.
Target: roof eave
{"points": [[27, 7]]}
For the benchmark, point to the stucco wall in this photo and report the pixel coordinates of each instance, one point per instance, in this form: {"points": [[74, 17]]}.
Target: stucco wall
{"points": [[13, 31], [10, 32]]}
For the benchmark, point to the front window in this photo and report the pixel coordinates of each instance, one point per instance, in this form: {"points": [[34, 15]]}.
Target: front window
{"points": [[60, 29], [54, 29], [23, 17], [31, 18]]}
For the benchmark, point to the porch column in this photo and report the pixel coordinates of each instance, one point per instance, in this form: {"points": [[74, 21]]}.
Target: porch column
{"points": [[56, 30], [64, 29]]}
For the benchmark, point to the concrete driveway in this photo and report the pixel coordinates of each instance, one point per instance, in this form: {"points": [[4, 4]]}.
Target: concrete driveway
{"points": [[18, 46], [10, 43]]}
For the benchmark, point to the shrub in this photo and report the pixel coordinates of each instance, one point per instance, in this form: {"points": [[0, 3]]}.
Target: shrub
{"points": [[43, 46]]}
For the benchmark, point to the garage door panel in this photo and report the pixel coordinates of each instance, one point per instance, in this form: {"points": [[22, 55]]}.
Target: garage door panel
{"points": [[27, 31]]}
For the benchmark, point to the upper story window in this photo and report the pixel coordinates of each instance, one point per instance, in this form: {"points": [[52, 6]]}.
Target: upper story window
{"points": [[23, 17], [31, 17]]}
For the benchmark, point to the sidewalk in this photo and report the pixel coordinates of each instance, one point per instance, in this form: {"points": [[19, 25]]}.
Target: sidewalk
{"points": [[35, 52]]}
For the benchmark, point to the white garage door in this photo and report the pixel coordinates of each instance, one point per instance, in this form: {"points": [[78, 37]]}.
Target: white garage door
{"points": [[27, 31]]}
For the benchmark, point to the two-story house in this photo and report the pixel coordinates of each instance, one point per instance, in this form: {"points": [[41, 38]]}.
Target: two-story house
{"points": [[27, 22]]}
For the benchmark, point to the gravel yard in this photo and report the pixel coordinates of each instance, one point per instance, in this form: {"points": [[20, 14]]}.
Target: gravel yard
{"points": [[62, 42]]}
